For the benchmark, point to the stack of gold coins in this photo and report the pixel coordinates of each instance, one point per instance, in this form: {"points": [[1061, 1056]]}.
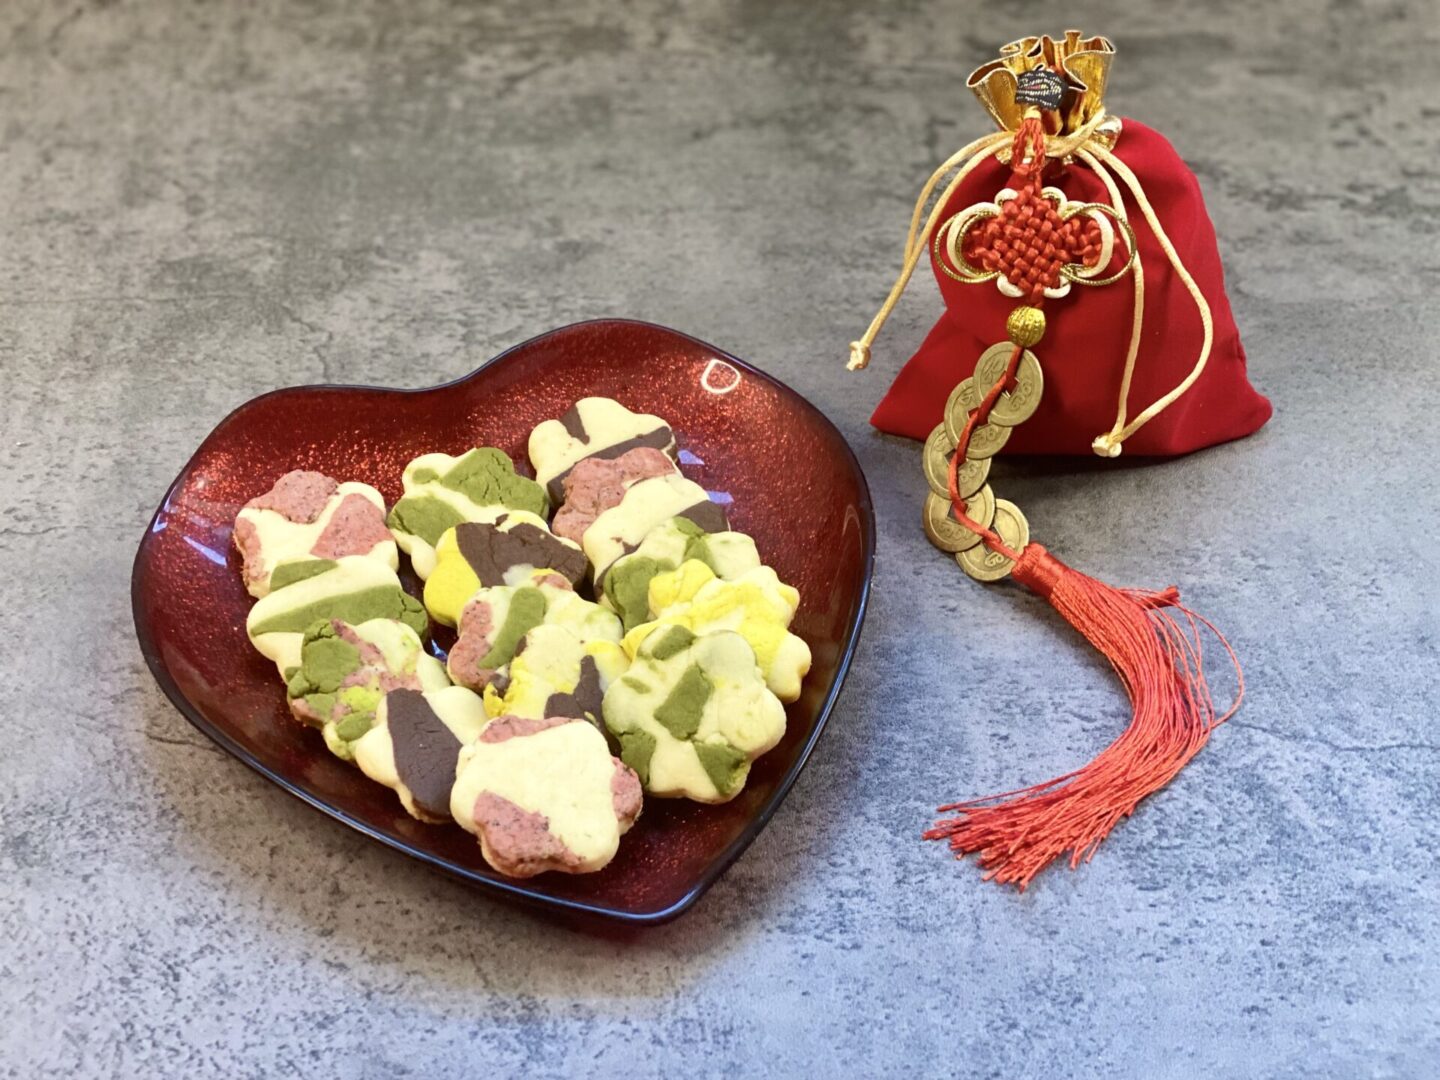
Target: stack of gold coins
{"points": [[1025, 327]]}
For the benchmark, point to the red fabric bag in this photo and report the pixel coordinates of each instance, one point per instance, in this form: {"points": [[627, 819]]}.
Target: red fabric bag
{"points": [[1087, 338]]}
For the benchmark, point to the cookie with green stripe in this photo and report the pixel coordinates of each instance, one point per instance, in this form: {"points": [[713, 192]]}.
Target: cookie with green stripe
{"points": [[494, 623], [692, 713], [664, 548], [346, 670], [354, 589], [557, 674], [443, 491]]}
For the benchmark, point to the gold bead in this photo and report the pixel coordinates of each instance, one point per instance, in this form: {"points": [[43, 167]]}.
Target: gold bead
{"points": [[1025, 326]]}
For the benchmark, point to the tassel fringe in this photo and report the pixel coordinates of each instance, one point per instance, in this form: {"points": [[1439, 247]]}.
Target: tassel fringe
{"points": [[1154, 645]]}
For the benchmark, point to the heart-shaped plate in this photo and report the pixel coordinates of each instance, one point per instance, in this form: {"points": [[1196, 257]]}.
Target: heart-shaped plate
{"points": [[781, 468]]}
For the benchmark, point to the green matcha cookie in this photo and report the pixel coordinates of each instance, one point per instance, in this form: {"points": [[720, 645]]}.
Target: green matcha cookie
{"points": [[442, 491], [757, 605], [692, 713], [345, 670]]}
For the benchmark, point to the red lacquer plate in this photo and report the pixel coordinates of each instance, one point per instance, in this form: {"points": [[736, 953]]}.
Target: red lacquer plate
{"points": [[781, 468]]}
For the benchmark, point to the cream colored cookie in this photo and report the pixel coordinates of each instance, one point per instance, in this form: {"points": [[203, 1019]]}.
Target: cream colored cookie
{"points": [[665, 547], [442, 491], [354, 589], [496, 620], [544, 795], [692, 713], [592, 427], [555, 673], [307, 515], [414, 746], [646, 505]]}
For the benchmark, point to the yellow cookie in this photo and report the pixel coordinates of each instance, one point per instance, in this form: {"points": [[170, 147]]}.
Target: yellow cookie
{"points": [[556, 673], [517, 549], [757, 605]]}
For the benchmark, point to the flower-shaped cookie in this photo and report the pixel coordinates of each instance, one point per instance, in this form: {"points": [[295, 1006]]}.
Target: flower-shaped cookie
{"points": [[665, 547], [556, 673], [442, 491], [649, 503], [692, 713], [346, 670], [544, 795], [757, 605], [516, 549], [307, 515], [354, 589], [496, 620], [414, 746], [593, 427]]}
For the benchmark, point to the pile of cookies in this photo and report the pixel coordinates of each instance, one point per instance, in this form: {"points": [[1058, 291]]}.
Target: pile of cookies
{"points": [[628, 643]]}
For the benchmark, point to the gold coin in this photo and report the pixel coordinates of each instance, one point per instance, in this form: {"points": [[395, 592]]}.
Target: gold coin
{"points": [[980, 562], [986, 441], [1017, 405], [939, 449], [945, 532], [964, 400]]}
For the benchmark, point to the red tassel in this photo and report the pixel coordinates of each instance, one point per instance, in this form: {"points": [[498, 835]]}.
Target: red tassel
{"points": [[1153, 643]]}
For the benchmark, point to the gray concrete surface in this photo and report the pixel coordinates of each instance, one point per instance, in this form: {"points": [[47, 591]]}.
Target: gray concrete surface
{"points": [[200, 202]]}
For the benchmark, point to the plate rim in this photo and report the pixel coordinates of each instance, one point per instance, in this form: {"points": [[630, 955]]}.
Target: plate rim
{"points": [[504, 887]]}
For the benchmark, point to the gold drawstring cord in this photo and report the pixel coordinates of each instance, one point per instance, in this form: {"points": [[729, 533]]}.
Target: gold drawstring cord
{"points": [[917, 241], [1108, 444]]}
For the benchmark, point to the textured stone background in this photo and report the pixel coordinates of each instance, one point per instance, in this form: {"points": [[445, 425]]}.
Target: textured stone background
{"points": [[200, 202]]}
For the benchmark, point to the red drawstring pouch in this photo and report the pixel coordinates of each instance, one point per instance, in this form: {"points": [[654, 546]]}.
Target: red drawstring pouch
{"points": [[1121, 351], [1085, 311]]}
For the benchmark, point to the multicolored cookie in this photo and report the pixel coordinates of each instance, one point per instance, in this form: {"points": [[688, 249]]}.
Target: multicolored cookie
{"points": [[307, 515], [544, 795], [346, 670], [497, 618], [442, 491], [415, 745], [692, 713], [555, 673], [596, 484], [757, 605], [354, 589], [665, 547], [593, 427], [511, 551], [621, 529]]}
